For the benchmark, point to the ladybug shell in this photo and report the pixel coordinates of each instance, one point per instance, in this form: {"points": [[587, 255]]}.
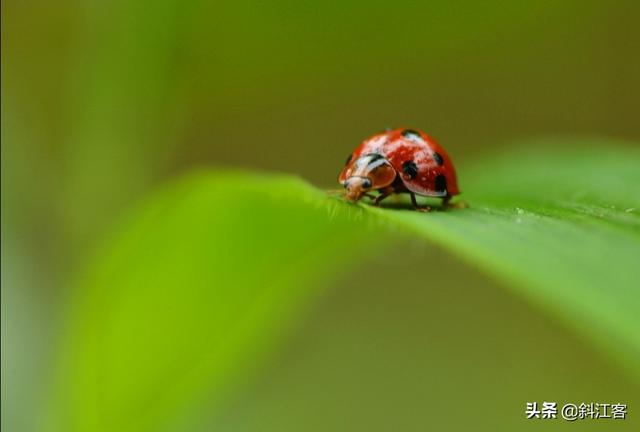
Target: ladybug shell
{"points": [[422, 165]]}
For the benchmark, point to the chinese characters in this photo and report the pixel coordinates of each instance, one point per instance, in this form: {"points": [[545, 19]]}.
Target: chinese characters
{"points": [[572, 412]]}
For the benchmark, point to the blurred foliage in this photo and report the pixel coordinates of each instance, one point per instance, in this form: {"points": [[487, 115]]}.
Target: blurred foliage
{"points": [[104, 101], [195, 287], [426, 343], [189, 292], [105, 98]]}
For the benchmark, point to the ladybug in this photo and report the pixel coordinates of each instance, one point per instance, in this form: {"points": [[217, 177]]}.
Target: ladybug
{"points": [[399, 161]]}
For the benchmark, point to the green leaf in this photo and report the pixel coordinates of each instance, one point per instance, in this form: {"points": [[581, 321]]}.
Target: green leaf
{"points": [[201, 281], [562, 229]]}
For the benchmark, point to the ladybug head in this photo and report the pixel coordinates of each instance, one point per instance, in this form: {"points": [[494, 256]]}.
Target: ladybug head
{"points": [[368, 172], [356, 186]]}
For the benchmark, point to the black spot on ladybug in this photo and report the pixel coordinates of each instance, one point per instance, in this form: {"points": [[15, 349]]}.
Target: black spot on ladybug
{"points": [[410, 169], [438, 158], [348, 160], [441, 183], [410, 133], [413, 136], [374, 157]]}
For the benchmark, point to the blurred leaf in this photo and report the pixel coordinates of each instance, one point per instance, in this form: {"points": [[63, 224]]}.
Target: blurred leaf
{"points": [[202, 279], [130, 79], [193, 289]]}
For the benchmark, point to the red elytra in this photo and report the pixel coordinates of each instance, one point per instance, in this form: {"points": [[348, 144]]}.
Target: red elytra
{"points": [[397, 161]]}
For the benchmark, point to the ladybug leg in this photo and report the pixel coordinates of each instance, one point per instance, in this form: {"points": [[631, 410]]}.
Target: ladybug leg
{"points": [[371, 197], [424, 209], [457, 205], [383, 194]]}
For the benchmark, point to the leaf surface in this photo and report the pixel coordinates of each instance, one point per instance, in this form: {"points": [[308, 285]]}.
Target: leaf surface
{"points": [[201, 281]]}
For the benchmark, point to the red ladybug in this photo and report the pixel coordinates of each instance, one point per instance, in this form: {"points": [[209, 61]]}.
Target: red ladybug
{"points": [[397, 161]]}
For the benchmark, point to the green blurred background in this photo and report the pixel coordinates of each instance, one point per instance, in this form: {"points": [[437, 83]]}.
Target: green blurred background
{"points": [[104, 101]]}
